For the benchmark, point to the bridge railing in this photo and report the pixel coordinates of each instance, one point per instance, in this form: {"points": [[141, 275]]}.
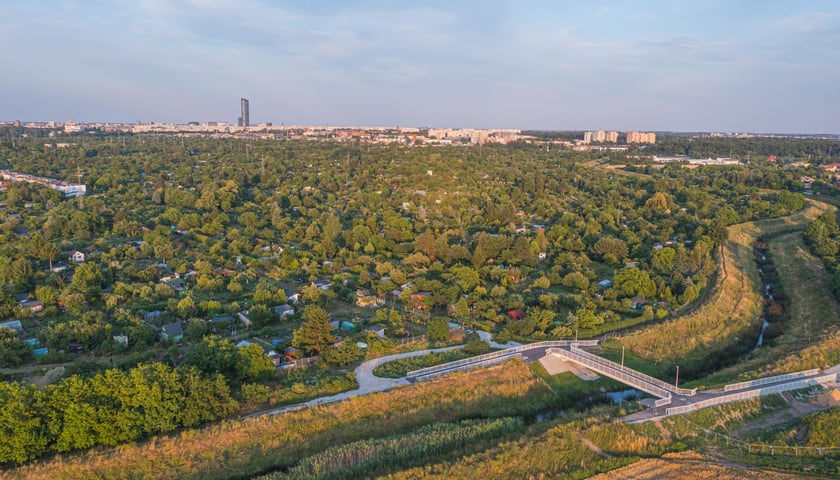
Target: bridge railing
{"points": [[508, 352], [734, 397], [766, 380], [612, 372], [467, 366], [662, 402], [655, 381]]}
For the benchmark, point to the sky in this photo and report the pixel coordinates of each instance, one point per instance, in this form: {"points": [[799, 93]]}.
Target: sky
{"points": [[671, 65]]}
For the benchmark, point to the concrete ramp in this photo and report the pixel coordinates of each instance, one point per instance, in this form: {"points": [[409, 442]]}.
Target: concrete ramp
{"points": [[555, 364]]}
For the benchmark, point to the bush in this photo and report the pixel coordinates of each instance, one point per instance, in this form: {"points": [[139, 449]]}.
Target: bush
{"points": [[476, 347], [438, 330], [502, 337], [254, 393]]}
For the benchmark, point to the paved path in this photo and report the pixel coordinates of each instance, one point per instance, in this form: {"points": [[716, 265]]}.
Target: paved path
{"points": [[370, 383], [752, 392]]}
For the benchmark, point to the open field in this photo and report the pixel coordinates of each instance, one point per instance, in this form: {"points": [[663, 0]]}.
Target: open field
{"points": [[733, 308], [575, 449], [690, 465], [258, 445]]}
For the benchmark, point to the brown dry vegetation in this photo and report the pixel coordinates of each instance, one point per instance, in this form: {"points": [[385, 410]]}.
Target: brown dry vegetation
{"points": [[563, 451], [732, 308], [690, 466], [237, 449]]}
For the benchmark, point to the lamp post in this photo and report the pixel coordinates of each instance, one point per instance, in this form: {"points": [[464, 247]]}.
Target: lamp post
{"points": [[677, 382], [622, 355]]}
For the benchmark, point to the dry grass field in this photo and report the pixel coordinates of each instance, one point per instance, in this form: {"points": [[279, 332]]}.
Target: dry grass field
{"points": [[691, 466]]}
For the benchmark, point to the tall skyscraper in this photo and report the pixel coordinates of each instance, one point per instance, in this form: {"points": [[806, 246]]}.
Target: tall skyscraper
{"points": [[245, 119]]}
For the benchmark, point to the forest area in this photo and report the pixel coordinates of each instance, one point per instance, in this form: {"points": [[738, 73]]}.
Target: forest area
{"points": [[191, 246]]}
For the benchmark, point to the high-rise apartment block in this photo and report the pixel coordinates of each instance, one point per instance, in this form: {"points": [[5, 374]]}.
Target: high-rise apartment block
{"points": [[600, 137], [245, 118], [641, 137]]}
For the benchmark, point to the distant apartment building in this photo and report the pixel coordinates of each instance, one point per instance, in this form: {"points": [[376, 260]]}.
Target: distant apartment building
{"points": [[245, 118], [600, 136], [641, 137], [68, 189]]}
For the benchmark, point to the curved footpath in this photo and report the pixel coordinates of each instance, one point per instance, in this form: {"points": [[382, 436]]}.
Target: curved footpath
{"points": [[370, 383]]}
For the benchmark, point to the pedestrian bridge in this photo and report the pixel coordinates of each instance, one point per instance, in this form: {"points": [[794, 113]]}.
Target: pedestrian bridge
{"points": [[569, 350], [689, 399]]}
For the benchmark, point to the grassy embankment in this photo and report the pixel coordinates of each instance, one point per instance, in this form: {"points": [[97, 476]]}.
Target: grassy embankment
{"points": [[812, 315], [262, 444], [733, 310]]}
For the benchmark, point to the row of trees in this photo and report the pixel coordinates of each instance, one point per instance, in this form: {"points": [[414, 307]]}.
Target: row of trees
{"points": [[109, 408]]}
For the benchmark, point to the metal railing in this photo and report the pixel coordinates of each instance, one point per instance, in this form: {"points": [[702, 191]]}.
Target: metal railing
{"points": [[734, 397], [468, 366], [612, 372], [652, 380], [662, 402], [766, 380], [508, 352]]}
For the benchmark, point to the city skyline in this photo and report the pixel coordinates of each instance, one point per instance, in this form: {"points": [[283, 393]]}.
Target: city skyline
{"points": [[649, 66]]}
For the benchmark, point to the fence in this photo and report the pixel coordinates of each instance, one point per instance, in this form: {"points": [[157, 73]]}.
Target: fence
{"points": [[300, 362], [766, 380], [629, 371], [415, 338], [612, 372], [508, 352], [662, 402], [765, 449], [734, 397]]}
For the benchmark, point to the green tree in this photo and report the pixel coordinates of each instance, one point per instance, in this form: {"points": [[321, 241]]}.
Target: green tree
{"points": [[87, 280], [718, 232], [205, 398], [253, 364], [213, 355], [156, 396], [315, 334], [663, 261], [633, 281], [465, 277], [260, 315], [13, 351], [438, 329], [24, 431], [575, 280], [611, 249], [345, 353]]}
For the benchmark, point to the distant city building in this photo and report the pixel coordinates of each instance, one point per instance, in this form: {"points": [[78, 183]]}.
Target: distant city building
{"points": [[68, 189], [600, 137], [641, 137], [245, 119]]}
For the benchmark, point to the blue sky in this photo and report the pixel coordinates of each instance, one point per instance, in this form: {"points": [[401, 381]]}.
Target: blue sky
{"points": [[712, 65]]}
